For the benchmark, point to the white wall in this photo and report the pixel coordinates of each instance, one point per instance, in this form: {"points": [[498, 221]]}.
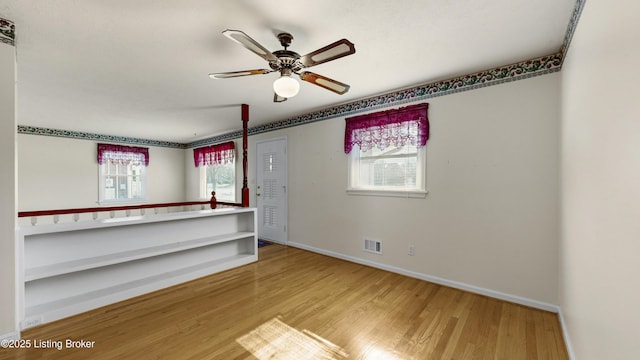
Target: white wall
{"points": [[600, 240], [491, 216], [7, 188], [59, 173]]}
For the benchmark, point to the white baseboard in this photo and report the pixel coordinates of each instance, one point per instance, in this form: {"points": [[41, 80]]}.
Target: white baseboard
{"points": [[434, 279], [10, 336], [565, 336]]}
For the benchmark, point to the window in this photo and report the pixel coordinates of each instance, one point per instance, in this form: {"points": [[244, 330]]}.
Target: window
{"points": [[391, 169], [387, 153], [217, 171], [219, 178], [122, 173]]}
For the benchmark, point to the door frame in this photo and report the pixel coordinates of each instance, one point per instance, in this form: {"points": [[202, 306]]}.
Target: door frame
{"points": [[286, 183]]}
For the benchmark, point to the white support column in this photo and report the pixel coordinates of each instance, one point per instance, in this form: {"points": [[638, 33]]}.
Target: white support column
{"points": [[8, 198]]}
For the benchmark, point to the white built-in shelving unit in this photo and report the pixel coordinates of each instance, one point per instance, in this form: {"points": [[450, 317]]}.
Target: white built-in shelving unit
{"points": [[68, 268]]}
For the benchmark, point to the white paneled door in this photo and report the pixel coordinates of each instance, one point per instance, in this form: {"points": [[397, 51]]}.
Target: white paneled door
{"points": [[271, 189]]}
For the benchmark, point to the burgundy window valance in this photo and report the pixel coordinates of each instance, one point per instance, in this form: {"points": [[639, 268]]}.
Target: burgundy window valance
{"points": [[215, 154], [407, 125], [121, 154]]}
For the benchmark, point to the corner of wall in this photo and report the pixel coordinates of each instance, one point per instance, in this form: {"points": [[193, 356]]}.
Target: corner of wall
{"points": [[8, 203]]}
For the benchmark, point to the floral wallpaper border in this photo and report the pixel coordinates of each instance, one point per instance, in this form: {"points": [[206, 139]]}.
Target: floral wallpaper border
{"points": [[518, 71], [571, 28], [7, 32], [33, 130], [499, 75]]}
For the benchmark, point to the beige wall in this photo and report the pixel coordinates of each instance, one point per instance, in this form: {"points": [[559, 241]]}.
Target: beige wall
{"points": [[600, 240], [490, 219], [7, 188], [58, 173]]}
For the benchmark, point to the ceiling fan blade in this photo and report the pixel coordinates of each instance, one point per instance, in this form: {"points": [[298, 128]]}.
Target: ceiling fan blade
{"points": [[323, 81], [232, 74], [277, 98], [244, 40], [330, 52]]}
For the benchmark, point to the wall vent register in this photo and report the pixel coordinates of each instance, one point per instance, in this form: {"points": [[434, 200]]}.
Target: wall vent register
{"points": [[373, 246]]}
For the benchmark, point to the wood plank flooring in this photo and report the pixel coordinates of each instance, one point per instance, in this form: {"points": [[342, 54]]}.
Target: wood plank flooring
{"points": [[294, 304]]}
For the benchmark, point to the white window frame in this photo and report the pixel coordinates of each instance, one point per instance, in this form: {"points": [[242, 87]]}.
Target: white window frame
{"points": [[102, 183], [204, 194], [355, 188]]}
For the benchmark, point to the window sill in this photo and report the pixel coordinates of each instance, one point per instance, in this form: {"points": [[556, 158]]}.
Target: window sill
{"points": [[412, 194]]}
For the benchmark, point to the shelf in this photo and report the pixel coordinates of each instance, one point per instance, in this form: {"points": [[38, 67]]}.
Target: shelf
{"points": [[56, 269], [72, 268], [104, 295]]}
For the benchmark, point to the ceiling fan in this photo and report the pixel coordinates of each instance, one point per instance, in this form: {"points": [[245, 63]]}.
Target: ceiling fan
{"points": [[288, 62]]}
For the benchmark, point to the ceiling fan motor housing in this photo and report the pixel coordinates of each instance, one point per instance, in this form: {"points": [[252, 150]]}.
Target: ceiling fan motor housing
{"points": [[286, 60]]}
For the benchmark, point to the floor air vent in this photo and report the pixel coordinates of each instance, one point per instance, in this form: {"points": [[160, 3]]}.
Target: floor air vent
{"points": [[374, 246]]}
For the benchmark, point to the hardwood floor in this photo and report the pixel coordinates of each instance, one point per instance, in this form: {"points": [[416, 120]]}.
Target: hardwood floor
{"points": [[294, 304]]}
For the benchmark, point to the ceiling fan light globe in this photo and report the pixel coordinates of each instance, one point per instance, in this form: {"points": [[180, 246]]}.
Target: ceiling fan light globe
{"points": [[286, 87]]}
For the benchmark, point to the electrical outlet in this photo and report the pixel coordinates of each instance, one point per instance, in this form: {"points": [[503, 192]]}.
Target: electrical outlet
{"points": [[412, 250]]}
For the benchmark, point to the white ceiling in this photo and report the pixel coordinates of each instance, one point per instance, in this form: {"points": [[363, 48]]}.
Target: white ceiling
{"points": [[139, 68]]}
